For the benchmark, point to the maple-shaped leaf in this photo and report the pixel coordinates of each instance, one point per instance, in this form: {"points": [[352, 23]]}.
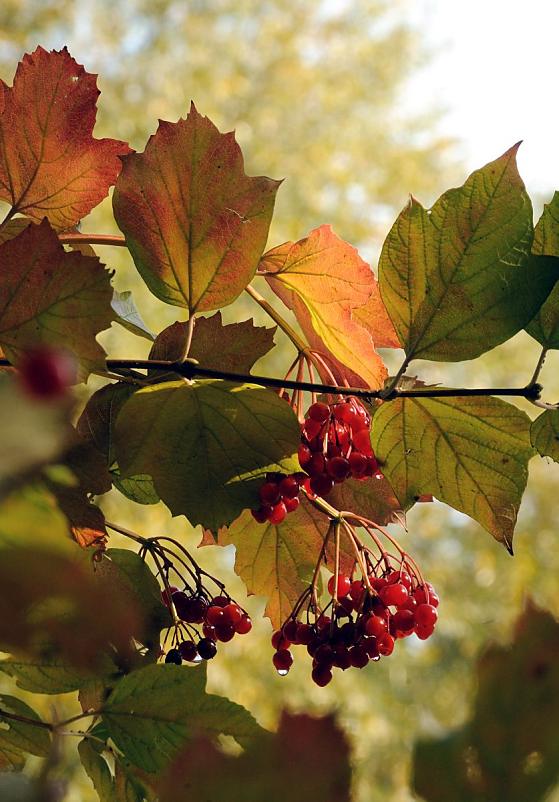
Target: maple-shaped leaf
{"points": [[50, 164], [231, 347], [458, 279], [51, 297], [322, 279], [545, 326], [509, 748], [471, 453], [307, 759], [277, 562], [195, 223], [210, 440], [372, 498]]}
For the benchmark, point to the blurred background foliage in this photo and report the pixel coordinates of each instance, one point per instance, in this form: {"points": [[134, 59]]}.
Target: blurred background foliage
{"points": [[314, 91]]}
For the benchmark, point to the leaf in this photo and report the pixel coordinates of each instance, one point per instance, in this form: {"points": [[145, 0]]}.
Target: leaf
{"points": [[29, 517], [45, 291], [50, 165], [193, 247], [470, 453], [152, 713], [231, 347], [211, 439], [544, 434], [125, 571], [510, 747], [127, 787], [307, 759], [322, 279], [11, 228], [137, 488], [18, 734], [545, 326], [52, 676], [128, 316], [373, 499], [277, 562], [97, 770], [53, 607], [458, 279]]}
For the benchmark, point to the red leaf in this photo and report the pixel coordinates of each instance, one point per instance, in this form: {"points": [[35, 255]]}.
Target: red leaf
{"points": [[50, 165]]}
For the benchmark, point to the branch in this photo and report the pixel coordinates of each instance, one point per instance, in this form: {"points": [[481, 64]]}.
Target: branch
{"points": [[45, 725], [190, 369]]}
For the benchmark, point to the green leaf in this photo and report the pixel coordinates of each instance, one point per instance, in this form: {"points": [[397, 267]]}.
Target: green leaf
{"points": [[52, 676], [211, 439], [277, 562], [46, 290], [307, 759], [471, 453], [97, 770], [138, 488], [193, 247], [18, 734], [545, 326], [509, 750], [459, 279], [544, 434], [235, 346], [128, 316], [127, 787], [29, 516], [153, 712]]}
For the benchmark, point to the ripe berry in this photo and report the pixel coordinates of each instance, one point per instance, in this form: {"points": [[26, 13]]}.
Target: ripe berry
{"points": [[47, 373], [321, 675], [206, 648], [173, 656], [394, 594], [224, 632], [425, 615], [321, 485], [424, 632], [279, 640], [290, 630], [278, 513], [289, 487], [291, 504], [283, 660], [403, 622], [232, 614], [376, 626], [220, 601], [262, 514], [357, 464], [344, 585], [359, 657], [338, 468], [319, 412], [269, 493], [385, 644], [244, 625], [188, 651]]}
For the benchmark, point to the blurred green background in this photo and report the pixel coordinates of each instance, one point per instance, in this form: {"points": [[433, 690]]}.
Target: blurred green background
{"points": [[315, 92]]}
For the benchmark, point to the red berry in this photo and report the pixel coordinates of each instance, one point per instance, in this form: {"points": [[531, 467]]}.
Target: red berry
{"points": [[283, 660], [304, 634], [244, 625], [426, 594], [209, 631], [342, 411], [279, 641], [403, 622], [262, 514], [224, 632], [394, 594], [371, 647], [215, 615], [321, 485], [290, 630], [319, 412], [291, 504], [359, 657], [357, 591], [362, 441], [269, 493], [304, 454], [426, 615], [232, 614], [46, 373], [338, 468], [316, 465], [321, 675], [220, 601], [357, 464], [289, 487], [312, 428], [376, 626], [278, 513], [188, 651], [424, 632], [344, 585], [385, 644]]}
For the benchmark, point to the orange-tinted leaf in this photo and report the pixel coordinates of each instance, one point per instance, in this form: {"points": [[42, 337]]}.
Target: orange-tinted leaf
{"points": [[277, 561], [374, 318], [372, 498], [323, 280], [307, 759], [51, 297], [50, 165], [86, 522], [235, 346], [195, 224]]}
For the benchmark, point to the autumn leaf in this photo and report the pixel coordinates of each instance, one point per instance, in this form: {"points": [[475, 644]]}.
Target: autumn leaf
{"points": [[545, 326], [322, 279], [471, 453], [231, 347], [372, 498], [46, 292], [195, 223], [50, 164], [544, 434], [459, 279], [509, 749], [277, 562]]}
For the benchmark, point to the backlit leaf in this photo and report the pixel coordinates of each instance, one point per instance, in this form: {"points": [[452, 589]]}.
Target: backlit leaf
{"points": [[128, 316], [277, 562], [459, 279], [18, 734], [544, 434], [545, 326], [154, 711], [510, 747], [307, 759], [50, 165], [97, 770], [470, 453], [210, 439], [52, 676], [234, 346], [372, 498], [195, 224], [323, 279], [51, 297]]}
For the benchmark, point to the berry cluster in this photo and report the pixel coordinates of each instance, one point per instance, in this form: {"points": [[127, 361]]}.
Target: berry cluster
{"points": [[362, 622], [202, 622], [335, 445]]}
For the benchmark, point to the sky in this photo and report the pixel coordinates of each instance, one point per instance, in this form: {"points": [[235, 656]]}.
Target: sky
{"points": [[495, 73]]}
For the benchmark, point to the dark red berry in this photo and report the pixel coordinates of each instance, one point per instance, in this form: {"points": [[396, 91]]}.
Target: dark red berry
{"points": [[321, 675], [215, 615], [289, 487], [244, 625], [290, 630], [338, 468], [321, 485], [232, 614], [385, 644], [279, 641], [224, 632], [359, 657], [319, 412], [206, 648], [269, 493], [357, 464], [283, 660], [304, 634], [173, 656], [262, 514], [291, 504], [188, 651]]}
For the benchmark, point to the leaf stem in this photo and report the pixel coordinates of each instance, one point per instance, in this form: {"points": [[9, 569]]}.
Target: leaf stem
{"points": [[92, 239], [45, 725], [188, 339], [539, 366], [297, 341]]}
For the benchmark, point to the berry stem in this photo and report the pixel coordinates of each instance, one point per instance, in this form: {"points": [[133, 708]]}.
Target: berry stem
{"points": [[299, 344]]}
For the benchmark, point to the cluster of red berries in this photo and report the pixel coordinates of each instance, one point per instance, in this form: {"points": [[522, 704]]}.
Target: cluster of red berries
{"points": [[361, 625], [202, 622], [335, 445]]}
